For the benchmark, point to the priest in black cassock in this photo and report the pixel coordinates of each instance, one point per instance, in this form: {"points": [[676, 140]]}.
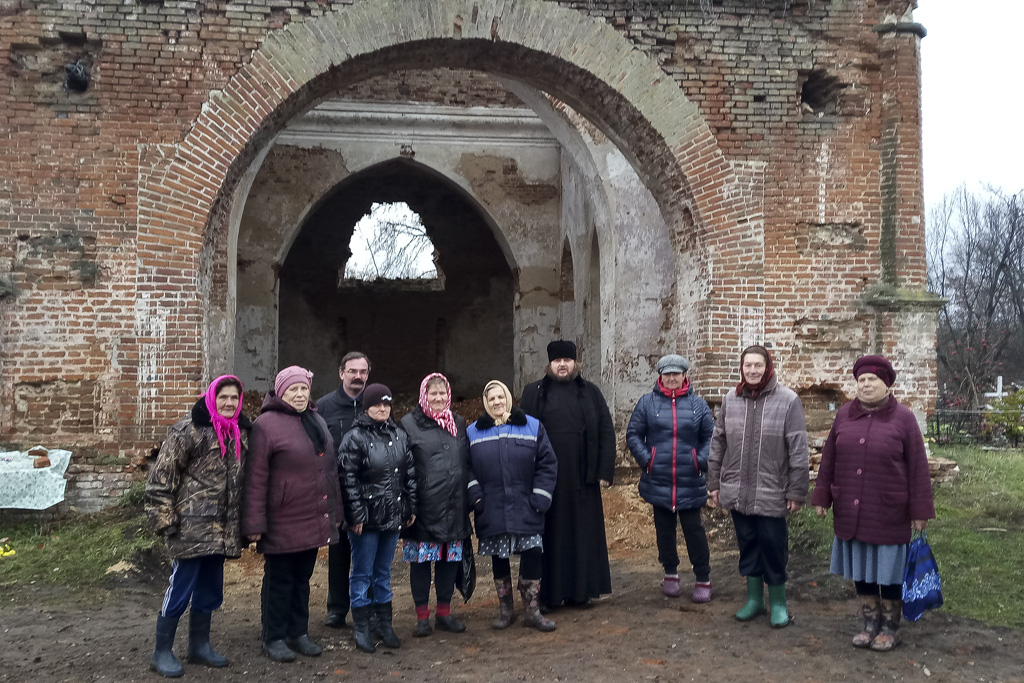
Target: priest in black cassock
{"points": [[579, 425]]}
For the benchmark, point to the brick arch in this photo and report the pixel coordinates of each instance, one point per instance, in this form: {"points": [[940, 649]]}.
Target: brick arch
{"points": [[579, 59]]}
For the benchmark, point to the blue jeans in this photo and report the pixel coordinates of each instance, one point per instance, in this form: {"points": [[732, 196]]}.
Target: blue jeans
{"points": [[372, 554]]}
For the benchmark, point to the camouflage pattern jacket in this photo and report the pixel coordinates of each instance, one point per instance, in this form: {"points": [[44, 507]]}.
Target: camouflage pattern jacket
{"points": [[193, 495]]}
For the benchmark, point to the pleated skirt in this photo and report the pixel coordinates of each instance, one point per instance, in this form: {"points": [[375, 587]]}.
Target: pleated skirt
{"points": [[859, 561]]}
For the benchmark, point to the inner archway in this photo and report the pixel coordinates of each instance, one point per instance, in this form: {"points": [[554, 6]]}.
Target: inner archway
{"points": [[408, 327]]}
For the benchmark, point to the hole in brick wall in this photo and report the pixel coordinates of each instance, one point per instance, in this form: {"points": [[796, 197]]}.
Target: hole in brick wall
{"points": [[821, 92], [461, 325], [391, 243], [820, 404]]}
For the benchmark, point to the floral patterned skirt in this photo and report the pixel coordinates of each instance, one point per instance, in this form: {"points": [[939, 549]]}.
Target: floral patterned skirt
{"points": [[426, 551]]}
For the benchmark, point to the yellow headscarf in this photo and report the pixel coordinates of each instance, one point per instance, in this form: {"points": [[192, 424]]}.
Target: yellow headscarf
{"points": [[503, 418]]}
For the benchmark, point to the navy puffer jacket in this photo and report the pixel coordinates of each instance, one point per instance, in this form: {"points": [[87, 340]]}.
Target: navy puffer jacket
{"points": [[670, 439]]}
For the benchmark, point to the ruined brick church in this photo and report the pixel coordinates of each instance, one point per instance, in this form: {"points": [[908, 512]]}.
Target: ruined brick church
{"points": [[180, 181]]}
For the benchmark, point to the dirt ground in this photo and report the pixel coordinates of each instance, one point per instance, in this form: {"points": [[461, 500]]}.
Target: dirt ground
{"points": [[635, 634]]}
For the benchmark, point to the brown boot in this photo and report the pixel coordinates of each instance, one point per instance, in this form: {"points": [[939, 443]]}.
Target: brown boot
{"points": [[506, 604], [872, 613], [530, 590], [889, 635]]}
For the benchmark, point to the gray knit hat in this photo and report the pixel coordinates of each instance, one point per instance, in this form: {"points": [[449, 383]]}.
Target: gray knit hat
{"points": [[672, 363]]}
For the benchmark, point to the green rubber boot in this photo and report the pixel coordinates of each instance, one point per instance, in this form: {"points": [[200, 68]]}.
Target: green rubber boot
{"points": [[755, 600], [777, 598]]}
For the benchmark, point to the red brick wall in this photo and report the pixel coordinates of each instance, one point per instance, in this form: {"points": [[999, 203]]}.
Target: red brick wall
{"points": [[112, 201]]}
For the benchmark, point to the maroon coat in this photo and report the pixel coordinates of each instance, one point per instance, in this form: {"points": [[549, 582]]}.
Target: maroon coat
{"points": [[292, 496], [874, 474]]}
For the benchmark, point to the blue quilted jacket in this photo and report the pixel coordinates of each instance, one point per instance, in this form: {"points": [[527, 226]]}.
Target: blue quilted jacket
{"points": [[670, 439]]}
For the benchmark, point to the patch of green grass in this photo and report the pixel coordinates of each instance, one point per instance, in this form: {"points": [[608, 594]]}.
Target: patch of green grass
{"points": [[978, 535], [810, 535], [76, 551]]}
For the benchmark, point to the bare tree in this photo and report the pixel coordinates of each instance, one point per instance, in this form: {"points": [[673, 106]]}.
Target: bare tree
{"points": [[391, 243], [976, 260]]}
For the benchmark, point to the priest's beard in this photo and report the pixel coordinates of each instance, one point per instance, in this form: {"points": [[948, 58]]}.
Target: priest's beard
{"points": [[568, 378]]}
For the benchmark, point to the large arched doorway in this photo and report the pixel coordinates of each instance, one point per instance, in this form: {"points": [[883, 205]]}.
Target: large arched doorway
{"points": [[459, 323], [620, 92]]}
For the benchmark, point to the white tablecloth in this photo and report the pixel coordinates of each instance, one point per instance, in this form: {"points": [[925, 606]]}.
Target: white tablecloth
{"points": [[26, 487]]}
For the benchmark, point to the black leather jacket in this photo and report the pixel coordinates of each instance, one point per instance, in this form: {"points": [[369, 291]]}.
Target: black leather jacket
{"points": [[380, 478], [442, 510]]}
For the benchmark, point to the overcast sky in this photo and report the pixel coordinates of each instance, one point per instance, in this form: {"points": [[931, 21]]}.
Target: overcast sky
{"points": [[973, 94]]}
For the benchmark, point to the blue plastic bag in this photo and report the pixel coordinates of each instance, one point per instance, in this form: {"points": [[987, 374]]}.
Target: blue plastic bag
{"points": [[922, 587]]}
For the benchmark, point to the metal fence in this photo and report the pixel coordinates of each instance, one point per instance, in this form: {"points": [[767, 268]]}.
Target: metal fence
{"points": [[971, 427]]}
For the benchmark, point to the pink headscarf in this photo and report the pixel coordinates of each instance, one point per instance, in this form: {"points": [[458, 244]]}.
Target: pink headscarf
{"points": [[445, 417], [225, 426]]}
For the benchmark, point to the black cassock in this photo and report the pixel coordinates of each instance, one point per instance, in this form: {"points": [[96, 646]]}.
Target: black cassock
{"points": [[575, 552]]}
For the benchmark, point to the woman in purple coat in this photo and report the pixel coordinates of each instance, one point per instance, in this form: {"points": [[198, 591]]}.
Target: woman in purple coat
{"points": [[874, 475], [292, 506]]}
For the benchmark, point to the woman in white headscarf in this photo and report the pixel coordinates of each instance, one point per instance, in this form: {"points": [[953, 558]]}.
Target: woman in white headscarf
{"points": [[513, 471]]}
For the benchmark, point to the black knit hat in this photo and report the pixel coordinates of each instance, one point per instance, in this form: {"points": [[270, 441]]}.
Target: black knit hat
{"points": [[561, 348], [374, 394]]}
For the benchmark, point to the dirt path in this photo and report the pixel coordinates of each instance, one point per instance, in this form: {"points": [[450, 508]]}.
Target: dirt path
{"points": [[49, 635]]}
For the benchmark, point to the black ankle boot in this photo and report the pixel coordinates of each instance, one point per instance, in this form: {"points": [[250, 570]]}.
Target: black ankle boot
{"points": [[164, 662], [278, 650], [361, 628], [384, 625], [199, 649], [304, 645]]}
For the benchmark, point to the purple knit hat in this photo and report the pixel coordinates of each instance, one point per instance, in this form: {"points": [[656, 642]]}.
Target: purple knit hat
{"points": [[292, 374], [876, 365]]}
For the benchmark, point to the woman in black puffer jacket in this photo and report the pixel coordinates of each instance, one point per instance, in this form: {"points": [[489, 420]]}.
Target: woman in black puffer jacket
{"points": [[669, 435], [380, 494], [440, 450]]}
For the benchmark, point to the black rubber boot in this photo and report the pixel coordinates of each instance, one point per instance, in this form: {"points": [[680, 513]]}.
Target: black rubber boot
{"points": [[384, 625], [199, 649], [361, 628], [164, 662]]}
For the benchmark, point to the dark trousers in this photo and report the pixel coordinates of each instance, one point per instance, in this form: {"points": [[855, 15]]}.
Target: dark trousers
{"points": [[530, 565], [196, 579], [764, 546], [694, 535], [285, 594], [889, 591], [339, 565], [444, 581]]}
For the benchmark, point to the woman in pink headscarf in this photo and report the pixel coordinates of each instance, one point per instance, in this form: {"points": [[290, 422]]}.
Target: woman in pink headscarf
{"points": [[193, 498], [440, 449]]}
